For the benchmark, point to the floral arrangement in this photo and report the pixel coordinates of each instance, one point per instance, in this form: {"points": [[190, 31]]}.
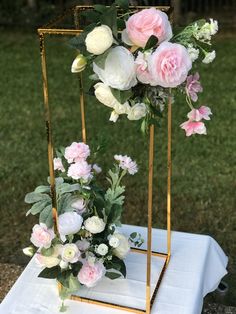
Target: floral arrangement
{"points": [[87, 244], [137, 63]]}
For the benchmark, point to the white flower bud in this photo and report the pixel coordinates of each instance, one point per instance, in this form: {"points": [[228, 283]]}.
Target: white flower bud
{"points": [[29, 251], [137, 112], [102, 249], [79, 64], [99, 40], [114, 241]]}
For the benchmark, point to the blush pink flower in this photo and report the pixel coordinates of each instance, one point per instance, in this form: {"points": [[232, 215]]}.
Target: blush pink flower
{"points": [[193, 86], [80, 170], [193, 127], [140, 26], [198, 114], [58, 164], [77, 152], [41, 236], [142, 71], [169, 65], [126, 163], [80, 205], [89, 275]]}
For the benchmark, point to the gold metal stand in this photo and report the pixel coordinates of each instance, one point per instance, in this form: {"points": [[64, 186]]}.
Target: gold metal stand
{"points": [[53, 29]]}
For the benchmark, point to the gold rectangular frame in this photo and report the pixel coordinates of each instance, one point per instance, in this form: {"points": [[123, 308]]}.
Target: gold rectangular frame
{"points": [[52, 29]]}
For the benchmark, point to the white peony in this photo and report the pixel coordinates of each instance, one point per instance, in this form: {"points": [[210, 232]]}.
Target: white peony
{"points": [[114, 241], [137, 112], [123, 248], [70, 253], [102, 249], [99, 40], [119, 69], [94, 224], [104, 95], [209, 57], [193, 53], [69, 223]]}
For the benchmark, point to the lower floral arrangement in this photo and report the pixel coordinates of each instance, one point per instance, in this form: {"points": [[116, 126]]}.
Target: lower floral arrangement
{"points": [[86, 244]]}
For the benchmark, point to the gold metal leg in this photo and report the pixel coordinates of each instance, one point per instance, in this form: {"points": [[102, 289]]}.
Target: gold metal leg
{"points": [[49, 132], [169, 180], [81, 86], [150, 194]]}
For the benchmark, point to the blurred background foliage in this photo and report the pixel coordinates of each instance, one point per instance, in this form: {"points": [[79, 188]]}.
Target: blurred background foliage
{"points": [[203, 183]]}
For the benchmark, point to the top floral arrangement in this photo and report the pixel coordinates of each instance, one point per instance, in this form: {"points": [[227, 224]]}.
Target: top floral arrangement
{"points": [[137, 62]]}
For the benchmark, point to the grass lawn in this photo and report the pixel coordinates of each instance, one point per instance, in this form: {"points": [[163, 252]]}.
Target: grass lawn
{"points": [[203, 183]]}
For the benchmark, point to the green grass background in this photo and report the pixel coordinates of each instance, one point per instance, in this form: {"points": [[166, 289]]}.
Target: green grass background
{"points": [[203, 181]]}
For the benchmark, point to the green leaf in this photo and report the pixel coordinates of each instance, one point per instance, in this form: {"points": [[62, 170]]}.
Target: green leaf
{"points": [[100, 8], [76, 268], [133, 235], [42, 189], [124, 4], [50, 273], [112, 275], [121, 263], [109, 18], [152, 42], [38, 207], [47, 252], [121, 96], [101, 59], [91, 15], [46, 216], [34, 197], [121, 24], [68, 188]]}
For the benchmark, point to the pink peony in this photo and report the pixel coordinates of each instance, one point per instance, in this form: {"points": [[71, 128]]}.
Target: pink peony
{"points": [[58, 164], [89, 275], [142, 25], [77, 152], [80, 170], [193, 86], [198, 114], [127, 163], [142, 71], [169, 65], [42, 236], [193, 127]]}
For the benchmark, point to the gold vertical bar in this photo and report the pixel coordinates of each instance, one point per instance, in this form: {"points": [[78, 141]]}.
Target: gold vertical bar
{"points": [[81, 87], [150, 195], [169, 166], [49, 131]]}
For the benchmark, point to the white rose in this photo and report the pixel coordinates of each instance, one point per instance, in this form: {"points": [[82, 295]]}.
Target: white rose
{"points": [[119, 70], [104, 95], [79, 64], [94, 224], [99, 40], [114, 241], [209, 57], [138, 111], [193, 53], [123, 248], [102, 249], [70, 253], [69, 223]]}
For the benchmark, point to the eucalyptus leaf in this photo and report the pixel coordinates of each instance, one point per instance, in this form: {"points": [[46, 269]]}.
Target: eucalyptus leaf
{"points": [[109, 18], [124, 4], [122, 96], [91, 15], [34, 197], [100, 8], [46, 216], [101, 59]]}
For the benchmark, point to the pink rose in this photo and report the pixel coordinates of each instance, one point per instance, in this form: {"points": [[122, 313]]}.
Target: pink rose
{"points": [[142, 71], [89, 274], [193, 86], [58, 164], [140, 26], [77, 152], [198, 114], [80, 170], [193, 127], [169, 65], [42, 236]]}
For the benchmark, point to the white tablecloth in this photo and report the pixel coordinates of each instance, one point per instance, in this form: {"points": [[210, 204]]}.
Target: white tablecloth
{"points": [[196, 267]]}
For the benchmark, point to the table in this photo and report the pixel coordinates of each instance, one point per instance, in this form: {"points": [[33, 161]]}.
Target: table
{"points": [[196, 267]]}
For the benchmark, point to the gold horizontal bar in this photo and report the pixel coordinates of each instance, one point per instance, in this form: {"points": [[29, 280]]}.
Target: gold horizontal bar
{"points": [[61, 31], [141, 251]]}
